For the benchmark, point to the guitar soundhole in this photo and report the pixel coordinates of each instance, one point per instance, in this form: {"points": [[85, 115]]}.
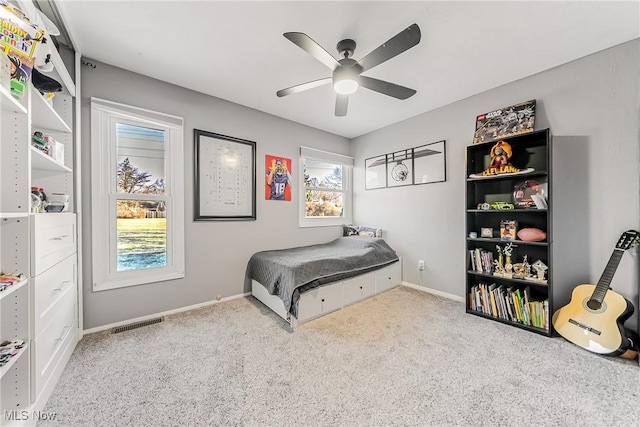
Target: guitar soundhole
{"points": [[593, 304]]}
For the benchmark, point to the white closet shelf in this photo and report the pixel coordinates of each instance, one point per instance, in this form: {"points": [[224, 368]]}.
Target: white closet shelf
{"points": [[11, 289], [7, 215], [44, 116], [5, 368], [41, 161], [9, 103]]}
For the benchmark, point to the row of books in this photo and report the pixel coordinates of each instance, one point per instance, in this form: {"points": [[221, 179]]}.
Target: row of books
{"points": [[481, 260], [512, 304]]}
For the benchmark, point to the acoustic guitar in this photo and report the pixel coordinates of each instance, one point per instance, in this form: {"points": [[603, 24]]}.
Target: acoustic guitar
{"points": [[595, 316]]}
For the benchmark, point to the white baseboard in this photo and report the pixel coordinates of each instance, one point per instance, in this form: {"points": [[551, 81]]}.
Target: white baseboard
{"points": [[433, 291], [164, 313]]}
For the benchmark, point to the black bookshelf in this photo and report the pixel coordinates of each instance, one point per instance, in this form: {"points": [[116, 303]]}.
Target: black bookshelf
{"points": [[493, 296]]}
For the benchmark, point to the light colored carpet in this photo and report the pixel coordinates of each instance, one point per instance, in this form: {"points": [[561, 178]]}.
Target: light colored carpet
{"points": [[401, 358]]}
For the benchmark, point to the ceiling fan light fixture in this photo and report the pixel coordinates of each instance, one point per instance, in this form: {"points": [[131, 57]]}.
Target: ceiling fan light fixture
{"points": [[346, 79], [345, 86]]}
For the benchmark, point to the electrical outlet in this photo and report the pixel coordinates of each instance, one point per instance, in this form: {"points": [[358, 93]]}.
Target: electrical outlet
{"points": [[420, 264]]}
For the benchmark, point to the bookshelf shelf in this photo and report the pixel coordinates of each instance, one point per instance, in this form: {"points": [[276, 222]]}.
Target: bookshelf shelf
{"points": [[508, 322], [498, 241], [507, 279]]}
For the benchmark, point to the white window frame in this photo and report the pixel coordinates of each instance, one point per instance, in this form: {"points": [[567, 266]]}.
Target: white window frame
{"points": [[104, 116], [347, 188]]}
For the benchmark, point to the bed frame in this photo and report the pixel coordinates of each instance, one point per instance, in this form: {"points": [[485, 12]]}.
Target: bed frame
{"points": [[324, 299]]}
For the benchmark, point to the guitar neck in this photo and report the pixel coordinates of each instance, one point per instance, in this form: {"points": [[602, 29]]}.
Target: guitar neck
{"points": [[607, 275]]}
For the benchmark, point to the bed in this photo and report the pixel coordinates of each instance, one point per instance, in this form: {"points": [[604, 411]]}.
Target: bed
{"points": [[300, 284]]}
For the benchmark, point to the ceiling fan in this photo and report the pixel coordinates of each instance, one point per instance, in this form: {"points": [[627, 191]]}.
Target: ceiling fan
{"points": [[347, 72]]}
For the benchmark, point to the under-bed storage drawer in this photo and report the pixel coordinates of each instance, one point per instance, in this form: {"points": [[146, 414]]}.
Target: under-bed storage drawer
{"points": [[388, 277], [359, 288], [320, 300]]}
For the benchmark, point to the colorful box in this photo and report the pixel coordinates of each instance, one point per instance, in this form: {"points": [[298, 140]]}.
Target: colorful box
{"points": [[18, 40], [508, 229]]}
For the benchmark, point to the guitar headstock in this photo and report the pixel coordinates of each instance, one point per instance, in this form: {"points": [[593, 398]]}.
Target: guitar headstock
{"points": [[629, 239]]}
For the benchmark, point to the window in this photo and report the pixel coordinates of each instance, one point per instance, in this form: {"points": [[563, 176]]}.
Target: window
{"points": [[325, 188], [137, 195]]}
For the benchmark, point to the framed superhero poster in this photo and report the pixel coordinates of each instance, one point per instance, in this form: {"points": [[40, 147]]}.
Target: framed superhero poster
{"points": [[504, 122], [277, 178]]}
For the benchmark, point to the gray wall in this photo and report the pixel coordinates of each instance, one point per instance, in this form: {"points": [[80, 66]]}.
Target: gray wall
{"points": [[216, 252], [592, 103], [594, 100]]}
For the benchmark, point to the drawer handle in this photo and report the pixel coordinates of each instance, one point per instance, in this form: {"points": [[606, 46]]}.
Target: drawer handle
{"points": [[322, 299], [64, 330], [61, 286], [360, 287], [59, 237]]}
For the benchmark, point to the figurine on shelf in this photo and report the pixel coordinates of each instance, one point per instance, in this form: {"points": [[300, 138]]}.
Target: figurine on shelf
{"points": [[498, 265], [540, 267], [508, 267], [501, 154], [527, 266], [521, 269]]}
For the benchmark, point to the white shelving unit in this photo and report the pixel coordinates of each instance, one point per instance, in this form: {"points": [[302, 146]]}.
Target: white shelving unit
{"points": [[41, 310]]}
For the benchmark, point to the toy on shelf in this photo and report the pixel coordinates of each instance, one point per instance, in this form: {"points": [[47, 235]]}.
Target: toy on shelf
{"points": [[501, 154], [504, 122], [531, 235]]}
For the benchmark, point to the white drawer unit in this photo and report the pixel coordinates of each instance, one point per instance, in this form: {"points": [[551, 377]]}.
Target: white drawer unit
{"points": [[54, 240], [318, 301], [54, 338], [49, 289], [388, 277], [359, 288]]}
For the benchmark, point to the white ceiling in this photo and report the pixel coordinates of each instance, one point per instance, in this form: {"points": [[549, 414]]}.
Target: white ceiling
{"points": [[236, 51]]}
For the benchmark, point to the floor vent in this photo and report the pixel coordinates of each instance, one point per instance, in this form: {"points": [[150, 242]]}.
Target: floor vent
{"points": [[136, 325]]}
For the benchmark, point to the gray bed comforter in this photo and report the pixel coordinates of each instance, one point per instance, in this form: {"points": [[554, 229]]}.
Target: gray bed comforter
{"points": [[288, 272]]}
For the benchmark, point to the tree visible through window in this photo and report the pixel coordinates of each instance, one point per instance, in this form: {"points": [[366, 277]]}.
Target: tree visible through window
{"points": [[320, 179]]}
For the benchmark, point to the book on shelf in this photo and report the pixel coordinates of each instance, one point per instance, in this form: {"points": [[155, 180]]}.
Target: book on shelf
{"points": [[481, 261], [472, 260]]}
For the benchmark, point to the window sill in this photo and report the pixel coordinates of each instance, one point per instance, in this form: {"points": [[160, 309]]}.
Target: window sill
{"points": [[116, 284]]}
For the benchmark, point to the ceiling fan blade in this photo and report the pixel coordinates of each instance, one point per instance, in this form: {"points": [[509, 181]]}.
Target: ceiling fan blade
{"points": [[307, 44], [404, 40], [386, 88], [342, 102], [303, 86]]}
